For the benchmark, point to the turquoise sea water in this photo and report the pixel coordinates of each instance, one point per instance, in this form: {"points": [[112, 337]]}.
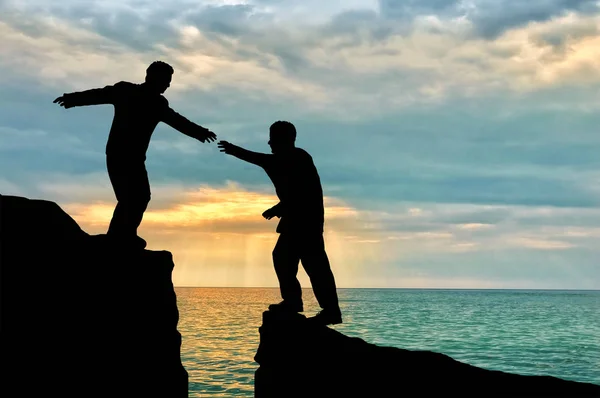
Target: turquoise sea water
{"points": [[555, 333]]}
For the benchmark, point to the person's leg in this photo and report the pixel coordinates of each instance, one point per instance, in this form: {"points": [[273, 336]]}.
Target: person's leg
{"points": [[140, 186], [316, 263], [132, 190], [118, 179], [286, 259]]}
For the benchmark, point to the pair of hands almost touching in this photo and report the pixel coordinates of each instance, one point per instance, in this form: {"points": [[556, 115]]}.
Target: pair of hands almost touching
{"points": [[204, 135], [207, 135], [226, 147]]}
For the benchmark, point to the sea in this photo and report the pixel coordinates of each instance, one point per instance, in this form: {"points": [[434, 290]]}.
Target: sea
{"points": [[529, 332]]}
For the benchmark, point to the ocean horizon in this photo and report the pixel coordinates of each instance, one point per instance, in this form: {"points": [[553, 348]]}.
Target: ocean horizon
{"points": [[393, 288], [554, 332]]}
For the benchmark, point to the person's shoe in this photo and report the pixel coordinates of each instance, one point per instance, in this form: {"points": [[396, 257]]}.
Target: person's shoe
{"points": [[287, 307], [327, 317]]}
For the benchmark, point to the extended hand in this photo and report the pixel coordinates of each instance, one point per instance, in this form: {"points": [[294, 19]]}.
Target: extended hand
{"points": [[207, 135], [64, 101], [268, 214], [226, 147]]}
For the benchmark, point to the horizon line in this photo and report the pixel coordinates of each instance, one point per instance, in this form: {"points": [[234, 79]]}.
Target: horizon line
{"points": [[394, 288]]}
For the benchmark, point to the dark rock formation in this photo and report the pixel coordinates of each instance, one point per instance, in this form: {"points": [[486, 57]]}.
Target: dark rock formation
{"points": [[301, 360], [81, 318]]}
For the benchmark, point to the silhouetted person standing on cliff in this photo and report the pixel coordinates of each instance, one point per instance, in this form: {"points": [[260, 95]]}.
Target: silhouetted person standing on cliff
{"points": [[138, 109], [298, 187]]}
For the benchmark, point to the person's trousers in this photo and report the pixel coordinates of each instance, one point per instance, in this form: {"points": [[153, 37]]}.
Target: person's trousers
{"points": [[129, 180], [309, 248]]}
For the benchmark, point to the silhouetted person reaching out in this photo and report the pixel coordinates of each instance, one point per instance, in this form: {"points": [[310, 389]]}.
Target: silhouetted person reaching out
{"points": [[138, 109], [298, 187]]}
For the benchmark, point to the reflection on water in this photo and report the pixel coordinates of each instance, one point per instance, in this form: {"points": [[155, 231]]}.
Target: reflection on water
{"points": [[219, 327], [526, 332]]}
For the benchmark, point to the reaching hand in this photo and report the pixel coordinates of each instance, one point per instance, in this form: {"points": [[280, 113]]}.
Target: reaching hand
{"points": [[268, 214], [226, 147], [64, 101], [207, 135]]}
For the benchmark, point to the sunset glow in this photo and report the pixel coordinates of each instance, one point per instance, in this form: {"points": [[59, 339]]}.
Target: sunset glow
{"points": [[456, 142]]}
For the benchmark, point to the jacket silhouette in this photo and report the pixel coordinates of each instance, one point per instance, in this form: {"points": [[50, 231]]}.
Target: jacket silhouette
{"points": [[138, 110], [297, 185], [300, 208]]}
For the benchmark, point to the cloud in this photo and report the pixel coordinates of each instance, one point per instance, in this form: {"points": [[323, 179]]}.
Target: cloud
{"points": [[334, 63], [492, 18], [68, 56], [455, 141], [542, 244], [200, 225], [8, 187], [442, 154], [229, 209], [474, 226], [181, 209]]}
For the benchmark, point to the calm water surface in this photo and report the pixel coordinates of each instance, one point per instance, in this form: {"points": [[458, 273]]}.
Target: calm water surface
{"points": [[554, 333]]}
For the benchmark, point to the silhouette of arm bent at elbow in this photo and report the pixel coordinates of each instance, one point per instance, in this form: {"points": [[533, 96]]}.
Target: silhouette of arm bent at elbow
{"points": [[275, 211], [95, 96], [263, 160], [187, 127], [278, 209]]}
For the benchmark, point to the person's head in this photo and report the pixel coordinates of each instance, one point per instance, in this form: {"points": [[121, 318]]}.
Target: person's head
{"points": [[282, 136], [158, 76]]}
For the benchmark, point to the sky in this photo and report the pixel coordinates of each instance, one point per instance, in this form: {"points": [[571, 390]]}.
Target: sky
{"points": [[457, 141]]}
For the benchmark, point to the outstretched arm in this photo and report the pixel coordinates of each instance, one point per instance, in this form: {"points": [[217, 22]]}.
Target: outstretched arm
{"points": [[257, 158], [96, 96], [183, 125]]}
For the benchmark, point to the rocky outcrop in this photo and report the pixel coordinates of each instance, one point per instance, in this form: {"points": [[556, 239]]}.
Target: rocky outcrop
{"points": [[81, 318], [298, 359]]}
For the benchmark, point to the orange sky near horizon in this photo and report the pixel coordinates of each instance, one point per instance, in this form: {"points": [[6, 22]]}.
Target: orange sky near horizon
{"points": [[219, 238]]}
